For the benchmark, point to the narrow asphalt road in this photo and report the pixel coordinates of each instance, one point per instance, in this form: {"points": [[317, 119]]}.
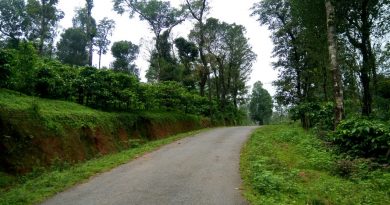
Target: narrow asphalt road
{"points": [[203, 169]]}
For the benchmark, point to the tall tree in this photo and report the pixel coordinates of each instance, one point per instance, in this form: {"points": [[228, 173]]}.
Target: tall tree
{"points": [[299, 34], [84, 20], [337, 83], [188, 54], [198, 10], [72, 47], [44, 18], [161, 17], [359, 21], [260, 106], [125, 53], [230, 58], [91, 30], [163, 64], [104, 30], [13, 20], [278, 16]]}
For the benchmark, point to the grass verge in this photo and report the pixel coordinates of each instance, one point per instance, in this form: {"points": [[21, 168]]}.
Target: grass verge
{"points": [[283, 164], [36, 189]]}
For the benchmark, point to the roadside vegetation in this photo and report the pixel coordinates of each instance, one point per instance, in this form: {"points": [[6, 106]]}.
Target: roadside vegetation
{"points": [[334, 84], [41, 184], [283, 164]]}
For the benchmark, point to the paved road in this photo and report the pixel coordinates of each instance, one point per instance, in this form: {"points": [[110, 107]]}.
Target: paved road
{"points": [[198, 170]]}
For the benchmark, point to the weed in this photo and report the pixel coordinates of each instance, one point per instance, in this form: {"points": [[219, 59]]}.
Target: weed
{"points": [[345, 167]]}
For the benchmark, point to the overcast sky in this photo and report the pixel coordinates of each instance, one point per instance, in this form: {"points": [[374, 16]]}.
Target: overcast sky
{"points": [[138, 32]]}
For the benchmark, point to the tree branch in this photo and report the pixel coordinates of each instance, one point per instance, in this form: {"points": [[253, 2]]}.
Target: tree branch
{"points": [[353, 41]]}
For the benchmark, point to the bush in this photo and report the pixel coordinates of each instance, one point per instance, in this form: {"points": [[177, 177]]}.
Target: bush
{"points": [[363, 138], [318, 115]]}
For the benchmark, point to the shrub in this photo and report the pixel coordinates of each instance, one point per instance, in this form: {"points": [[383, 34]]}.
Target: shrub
{"points": [[363, 138], [318, 115], [345, 167]]}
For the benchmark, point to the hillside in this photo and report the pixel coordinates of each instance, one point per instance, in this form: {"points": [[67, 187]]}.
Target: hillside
{"points": [[37, 132]]}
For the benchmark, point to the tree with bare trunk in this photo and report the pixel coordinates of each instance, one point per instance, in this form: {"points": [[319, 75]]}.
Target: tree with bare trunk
{"points": [[336, 74]]}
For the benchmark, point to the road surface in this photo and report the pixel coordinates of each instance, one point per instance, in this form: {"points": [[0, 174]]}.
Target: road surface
{"points": [[203, 169]]}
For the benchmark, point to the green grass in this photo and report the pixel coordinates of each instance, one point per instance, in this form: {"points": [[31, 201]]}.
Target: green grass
{"points": [[35, 190], [17, 101], [283, 164]]}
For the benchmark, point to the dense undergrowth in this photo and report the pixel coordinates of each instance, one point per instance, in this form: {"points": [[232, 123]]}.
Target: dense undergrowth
{"points": [[283, 164]]}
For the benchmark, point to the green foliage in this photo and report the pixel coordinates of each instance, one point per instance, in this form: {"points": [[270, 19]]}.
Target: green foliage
{"points": [[32, 74], [195, 104], [83, 21], [227, 59], [172, 96], [382, 99], [163, 65], [188, 53], [169, 95], [363, 138], [260, 105], [5, 68], [125, 53], [72, 47], [318, 115], [43, 18], [285, 165], [23, 63], [103, 32], [14, 21], [384, 87], [53, 82], [102, 89], [162, 18], [299, 35]]}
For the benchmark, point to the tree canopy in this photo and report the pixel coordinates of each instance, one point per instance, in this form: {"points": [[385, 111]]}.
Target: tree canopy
{"points": [[261, 105], [125, 52]]}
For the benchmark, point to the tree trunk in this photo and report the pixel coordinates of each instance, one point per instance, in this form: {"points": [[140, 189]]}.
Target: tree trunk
{"points": [[336, 74], [42, 32], [325, 82], [89, 33], [205, 71], [100, 57], [368, 60], [90, 52]]}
